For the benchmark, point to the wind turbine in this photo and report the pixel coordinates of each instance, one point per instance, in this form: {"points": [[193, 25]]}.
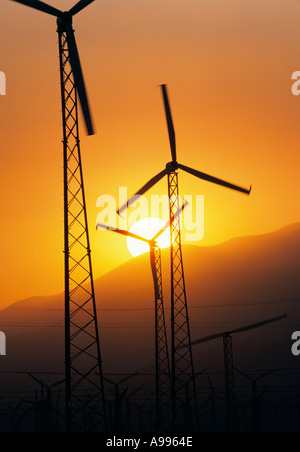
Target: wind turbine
{"points": [[182, 360], [228, 362], [119, 396], [46, 411], [256, 397], [82, 344], [162, 363]]}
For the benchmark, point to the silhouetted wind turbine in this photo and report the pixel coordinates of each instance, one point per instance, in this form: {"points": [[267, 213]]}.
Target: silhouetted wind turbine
{"points": [[256, 397], [174, 165], [228, 361], [45, 409], [118, 400], [45, 386], [82, 344], [162, 365], [64, 22], [182, 360]]}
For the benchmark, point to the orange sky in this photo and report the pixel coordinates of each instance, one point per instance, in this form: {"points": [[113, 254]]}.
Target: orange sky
{"points": [[228, 66]]}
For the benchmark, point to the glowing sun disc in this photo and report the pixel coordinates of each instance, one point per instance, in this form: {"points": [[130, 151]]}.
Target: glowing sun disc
{"points": [[147, 228]]}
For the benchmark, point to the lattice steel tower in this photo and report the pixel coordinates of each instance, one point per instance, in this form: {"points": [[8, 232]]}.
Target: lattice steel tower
{"points": [[184, 401], [162, 362], [231, 418], [164, 392], [85, 402]]}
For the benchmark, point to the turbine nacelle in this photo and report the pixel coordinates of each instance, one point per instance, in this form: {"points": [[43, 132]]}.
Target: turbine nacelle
{"points": [[172, 166], [151, 242], [65, 18]]}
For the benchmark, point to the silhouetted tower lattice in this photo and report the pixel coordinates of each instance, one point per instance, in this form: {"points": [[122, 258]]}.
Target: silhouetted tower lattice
{"points": [[182, 368], [231, 419], [84, 390], [85, 403], [162, 362], [184, 409]]}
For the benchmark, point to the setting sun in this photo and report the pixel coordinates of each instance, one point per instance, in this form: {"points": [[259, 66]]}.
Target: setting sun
{"points": [[147, 228]]}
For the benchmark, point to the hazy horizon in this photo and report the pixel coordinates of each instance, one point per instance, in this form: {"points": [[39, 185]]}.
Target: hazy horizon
{"points": [[165, 252], [229, 76]]}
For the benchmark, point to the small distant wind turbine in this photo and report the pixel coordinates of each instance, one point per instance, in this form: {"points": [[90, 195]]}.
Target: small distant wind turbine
{"points": [[163, 377], [256, 397], [46, 410], [228, 361], [182, 360], [119, 396], [84, 394], [45, 386]]}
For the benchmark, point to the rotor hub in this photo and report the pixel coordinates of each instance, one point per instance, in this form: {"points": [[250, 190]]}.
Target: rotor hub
{"points": [[65, 18], [172, 166]]}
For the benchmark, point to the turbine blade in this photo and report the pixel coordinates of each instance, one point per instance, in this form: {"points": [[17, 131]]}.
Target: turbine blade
{"points": [[238, 330], [40, 382], [80, 6], [214, 180], [144, 189], [108, 380], [167, 225], [41, 6], [208, 338], [78, 78], [126, 233], [128, 378], [243, 374], [200, 341], [169, 123], [57, 383], [259, 324], [266, 374]]}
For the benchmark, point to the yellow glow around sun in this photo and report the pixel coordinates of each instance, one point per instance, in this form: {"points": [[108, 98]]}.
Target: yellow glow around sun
{"points": [[147, 228]]}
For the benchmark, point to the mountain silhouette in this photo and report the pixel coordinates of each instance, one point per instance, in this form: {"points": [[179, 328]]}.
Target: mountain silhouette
{"points": [[230, 285]]}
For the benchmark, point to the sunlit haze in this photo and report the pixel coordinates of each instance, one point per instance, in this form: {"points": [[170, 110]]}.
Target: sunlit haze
{"points": [[228, 67], [147, 228]]}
